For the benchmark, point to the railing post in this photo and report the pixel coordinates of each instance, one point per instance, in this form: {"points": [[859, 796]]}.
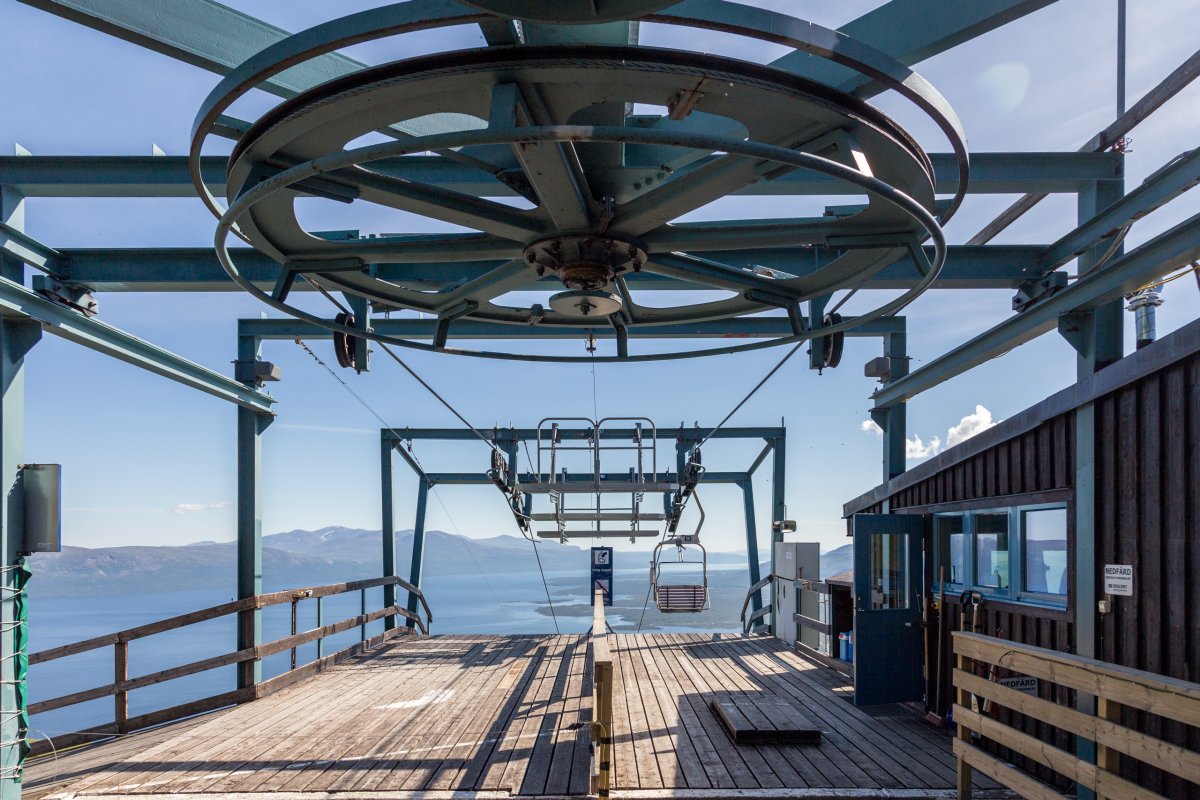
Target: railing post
{"points": [[320, 624], [964, 772], [120, 675], [362, 603], [1107, 758], [295, 602]]}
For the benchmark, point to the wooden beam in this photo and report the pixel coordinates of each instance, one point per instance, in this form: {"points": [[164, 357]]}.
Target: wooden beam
{"points": [[1066, 764], [1002, 773], [1106, 731], [1168, 697]]}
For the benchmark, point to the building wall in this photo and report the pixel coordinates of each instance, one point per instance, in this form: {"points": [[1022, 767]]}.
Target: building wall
{"points": [[1147, 510], [1148, 516]]}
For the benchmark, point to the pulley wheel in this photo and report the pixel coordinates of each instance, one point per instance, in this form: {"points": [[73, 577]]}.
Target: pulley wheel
{"points": [[344, 344], [831, 346]]}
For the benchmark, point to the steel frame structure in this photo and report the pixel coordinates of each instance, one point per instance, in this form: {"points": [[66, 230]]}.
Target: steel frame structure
{"points": [[1088, 312], [511, 442]]}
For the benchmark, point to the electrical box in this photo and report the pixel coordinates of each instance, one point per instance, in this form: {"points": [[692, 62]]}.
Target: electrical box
{"points": [[785, 560], [41, 487], [785, 609]]}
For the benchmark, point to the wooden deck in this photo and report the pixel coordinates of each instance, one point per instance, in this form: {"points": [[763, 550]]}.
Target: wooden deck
{"points": [[506, 715]]}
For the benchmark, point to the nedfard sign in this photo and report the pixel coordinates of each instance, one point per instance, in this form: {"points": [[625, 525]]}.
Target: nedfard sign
{"points": [[1118, 579]]}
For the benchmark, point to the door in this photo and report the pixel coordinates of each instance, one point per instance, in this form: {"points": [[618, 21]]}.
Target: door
{"points": [[888, 639]]}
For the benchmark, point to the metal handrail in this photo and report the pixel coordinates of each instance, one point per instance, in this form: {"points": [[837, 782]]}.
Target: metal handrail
{"points": [[747, 623]]}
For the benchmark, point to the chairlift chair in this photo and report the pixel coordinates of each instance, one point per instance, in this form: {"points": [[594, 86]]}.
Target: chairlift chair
{"points": [[676, 598]]}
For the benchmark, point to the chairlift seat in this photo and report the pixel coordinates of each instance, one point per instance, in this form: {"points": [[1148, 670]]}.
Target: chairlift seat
{"points": [[681, 598]]}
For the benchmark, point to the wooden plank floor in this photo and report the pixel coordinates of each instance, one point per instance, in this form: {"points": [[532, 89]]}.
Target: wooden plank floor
{"points": [[504, 715]]}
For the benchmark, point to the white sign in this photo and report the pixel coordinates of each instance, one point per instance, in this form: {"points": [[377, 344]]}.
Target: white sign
{"points": [[1021, 684], [1118, 579]]}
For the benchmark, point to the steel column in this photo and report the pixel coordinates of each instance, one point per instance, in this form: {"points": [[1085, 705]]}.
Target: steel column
{"points": [[17, 336], [894, 420], [418, 547], [250, 427], [388, 533], [747, 485], [1099, 342]]}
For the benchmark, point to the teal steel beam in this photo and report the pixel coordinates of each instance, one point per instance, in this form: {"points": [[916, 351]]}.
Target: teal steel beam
{"points": [[17, 337], [388, 524], [417, 565], [482, 479], [214, 37], [167, 176], [1177, 246], [893, 419], [16, 300], [740, 328], [1170, 181], [18, 245], [1100, 343], [747, 487], [197, 269], [516, 434], [250, 426], [1102, 340], [911, 31]]}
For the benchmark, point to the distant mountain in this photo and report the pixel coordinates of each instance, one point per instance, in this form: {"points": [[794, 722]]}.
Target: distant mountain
{"points": [[837, 560], [303, 558]]}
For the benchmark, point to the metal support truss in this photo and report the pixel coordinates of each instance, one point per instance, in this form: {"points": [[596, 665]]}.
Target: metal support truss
{"points": [[17, 301], [1179, 245], [167, 176], [511, 441]]}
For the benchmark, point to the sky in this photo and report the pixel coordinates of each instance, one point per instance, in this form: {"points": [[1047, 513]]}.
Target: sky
{"points": [[147, 461]]}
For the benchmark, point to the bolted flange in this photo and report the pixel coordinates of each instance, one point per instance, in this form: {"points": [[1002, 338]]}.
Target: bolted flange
{"points": [[584, 262], [584, 303]]}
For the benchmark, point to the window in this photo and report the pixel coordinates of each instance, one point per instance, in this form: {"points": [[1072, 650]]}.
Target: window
{"points": [[991, 550], [1044, 542], [889, 571], [951, 547], [1018, 552]]}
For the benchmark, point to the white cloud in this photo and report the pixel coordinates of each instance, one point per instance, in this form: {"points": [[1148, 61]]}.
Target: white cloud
{"points": [[970, 425], [915, 448], [195, 508]]}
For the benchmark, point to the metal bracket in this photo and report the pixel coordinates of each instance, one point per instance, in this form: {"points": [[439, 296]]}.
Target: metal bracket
{"points": [[71, 295], [1032, 291]]}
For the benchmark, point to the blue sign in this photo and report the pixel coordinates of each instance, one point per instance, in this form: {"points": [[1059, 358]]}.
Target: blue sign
{"points": [[602, 573]]}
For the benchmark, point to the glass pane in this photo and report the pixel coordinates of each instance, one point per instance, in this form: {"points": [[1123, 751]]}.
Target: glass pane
{"points": [[1046, 551], [951, 547], [889, 565], [991, 550]]}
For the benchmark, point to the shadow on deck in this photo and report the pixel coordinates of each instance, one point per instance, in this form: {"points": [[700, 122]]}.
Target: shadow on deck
{"points": [[497, 716]]}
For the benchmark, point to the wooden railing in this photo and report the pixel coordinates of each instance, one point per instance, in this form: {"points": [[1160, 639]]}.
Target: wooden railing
{"points": [[602, 701], [1113, 687], [122, 684]]}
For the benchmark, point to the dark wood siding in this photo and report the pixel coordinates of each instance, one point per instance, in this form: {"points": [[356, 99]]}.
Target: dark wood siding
{"points": [[1147, 510], [1147, 502]]}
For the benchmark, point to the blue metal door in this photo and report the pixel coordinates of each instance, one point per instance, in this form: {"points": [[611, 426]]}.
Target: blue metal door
{"points": [[888, 639]]}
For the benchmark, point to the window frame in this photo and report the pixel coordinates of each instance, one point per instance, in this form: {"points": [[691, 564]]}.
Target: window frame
{"points": [[1043, 598], [1015, 591]]}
